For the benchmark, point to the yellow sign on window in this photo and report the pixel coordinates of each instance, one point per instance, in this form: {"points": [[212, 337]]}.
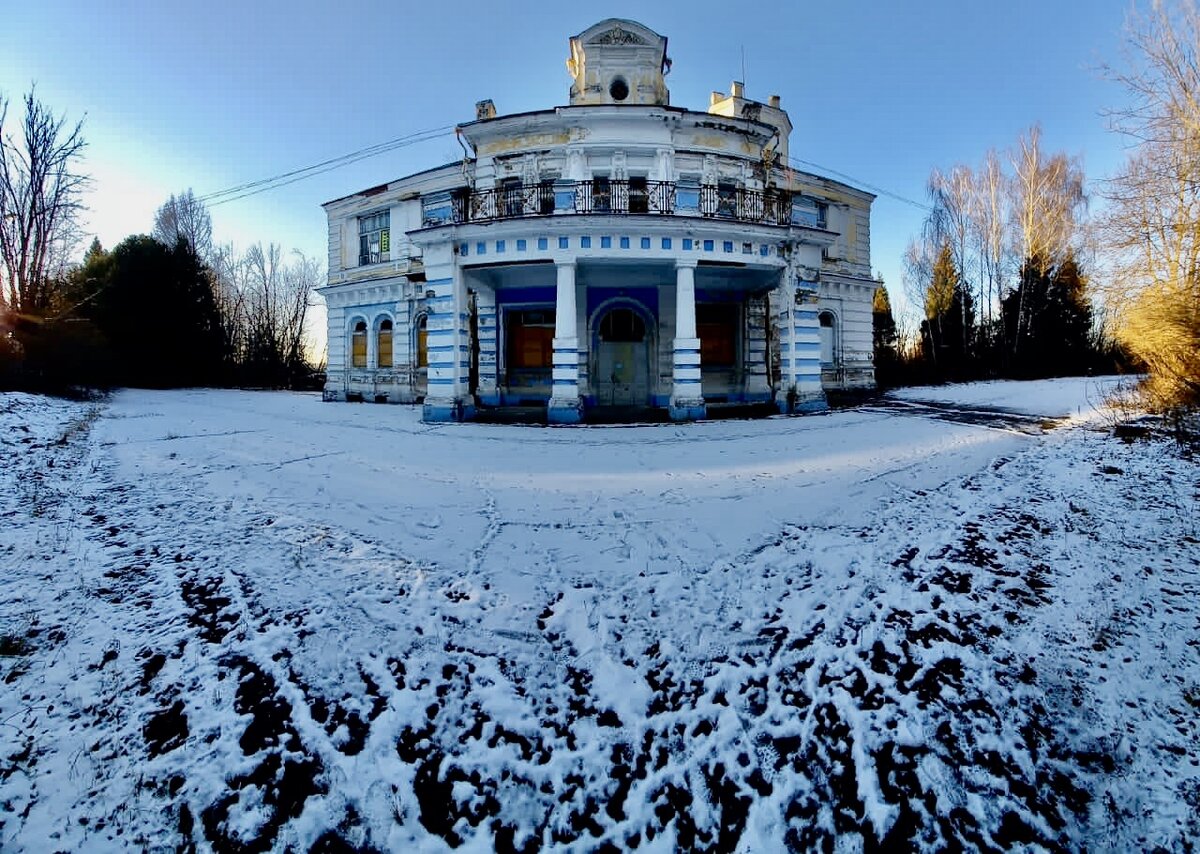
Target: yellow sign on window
{"points": [[385, 240]]}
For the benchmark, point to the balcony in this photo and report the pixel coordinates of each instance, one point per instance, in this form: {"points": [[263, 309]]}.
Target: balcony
{"points": [[603, 196]]}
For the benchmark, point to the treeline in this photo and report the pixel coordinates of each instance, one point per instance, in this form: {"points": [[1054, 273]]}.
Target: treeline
{"points": [[163, 310], [999, 273]]}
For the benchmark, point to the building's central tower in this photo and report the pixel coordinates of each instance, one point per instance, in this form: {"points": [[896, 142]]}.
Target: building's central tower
{"points": [[619, 62]]}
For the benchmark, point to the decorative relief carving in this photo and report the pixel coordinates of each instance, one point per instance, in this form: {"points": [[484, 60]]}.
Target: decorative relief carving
{"points": [[618, 36]]}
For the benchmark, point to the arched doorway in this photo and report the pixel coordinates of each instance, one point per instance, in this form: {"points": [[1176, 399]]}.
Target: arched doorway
{"points": [[622, 375]]}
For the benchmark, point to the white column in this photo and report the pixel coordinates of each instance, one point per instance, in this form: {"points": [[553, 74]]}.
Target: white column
{"points": [[448, 398], [565, 407], [687, 399]]}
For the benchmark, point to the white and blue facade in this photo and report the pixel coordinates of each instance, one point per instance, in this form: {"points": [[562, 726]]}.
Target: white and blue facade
{"points": [[614, 255]]}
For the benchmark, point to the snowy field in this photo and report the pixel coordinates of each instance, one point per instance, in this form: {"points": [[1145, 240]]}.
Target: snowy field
{"points": [[255, 622]]}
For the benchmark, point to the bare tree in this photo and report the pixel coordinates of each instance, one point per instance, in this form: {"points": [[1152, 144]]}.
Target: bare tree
{"points": [[40, 202], [1151, 227], [277, 299], [989, 215], [184, 217], [1047, 198]]}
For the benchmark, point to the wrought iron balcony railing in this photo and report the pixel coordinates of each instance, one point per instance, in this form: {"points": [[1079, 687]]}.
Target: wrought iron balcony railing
{"points": [[770, 206], [604, 196], [611, 196]]}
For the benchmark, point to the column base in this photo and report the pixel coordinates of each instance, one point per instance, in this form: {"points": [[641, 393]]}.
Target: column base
{"points": [[802, 403], [564, 411], [688, 409], [488, 396], [442, 411]]}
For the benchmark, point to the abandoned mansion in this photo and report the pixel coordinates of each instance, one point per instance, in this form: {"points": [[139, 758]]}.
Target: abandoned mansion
{"points": [[611, 256]]}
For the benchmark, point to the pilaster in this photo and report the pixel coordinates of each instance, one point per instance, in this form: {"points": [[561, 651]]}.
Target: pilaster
{"points": [[485, 309], [801, 350]]}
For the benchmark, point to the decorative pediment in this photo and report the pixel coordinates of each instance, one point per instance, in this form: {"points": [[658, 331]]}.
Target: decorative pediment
{"points": [[618, 36]]}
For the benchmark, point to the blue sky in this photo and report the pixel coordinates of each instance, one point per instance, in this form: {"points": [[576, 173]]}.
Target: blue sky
{"points": [[215, 94]]}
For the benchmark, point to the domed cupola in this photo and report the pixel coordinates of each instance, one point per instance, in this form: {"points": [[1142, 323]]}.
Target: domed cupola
{"points": [[619, 62]]}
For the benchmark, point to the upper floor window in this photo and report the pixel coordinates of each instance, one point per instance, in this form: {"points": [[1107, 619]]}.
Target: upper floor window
{"points": [[374, 237]]}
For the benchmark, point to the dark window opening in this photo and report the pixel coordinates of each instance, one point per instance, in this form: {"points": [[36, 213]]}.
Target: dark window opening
{"points": [[601, 195], [726, 198], [619, 89], [716, 326], [639, 196]]}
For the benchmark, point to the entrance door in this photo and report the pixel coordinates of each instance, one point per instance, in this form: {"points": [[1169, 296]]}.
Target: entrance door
{"points": [[623, 360]]}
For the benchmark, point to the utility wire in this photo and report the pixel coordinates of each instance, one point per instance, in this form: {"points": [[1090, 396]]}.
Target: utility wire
{"points": [[879, 191], [251, 188]]}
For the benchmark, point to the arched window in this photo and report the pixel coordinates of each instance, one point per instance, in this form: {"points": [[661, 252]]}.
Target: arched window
{"points": [[622, 324], [423, 342], [384, 342], [358, 345], [828, 337]]}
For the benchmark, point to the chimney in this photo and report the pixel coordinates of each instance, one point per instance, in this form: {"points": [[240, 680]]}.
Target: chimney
{"points": [[773, 101], [736, 89], [485, 110], [716, 98]]}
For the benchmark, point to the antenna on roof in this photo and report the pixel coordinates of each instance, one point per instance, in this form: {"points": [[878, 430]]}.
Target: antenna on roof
{"points": [[743, 65]]}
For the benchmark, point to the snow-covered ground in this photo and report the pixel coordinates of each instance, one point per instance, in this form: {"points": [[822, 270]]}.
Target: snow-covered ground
{"points": [[1070, 398], [254, 621]]}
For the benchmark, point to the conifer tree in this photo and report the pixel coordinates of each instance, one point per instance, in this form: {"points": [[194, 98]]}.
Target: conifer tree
{"points": [[887, 357]]}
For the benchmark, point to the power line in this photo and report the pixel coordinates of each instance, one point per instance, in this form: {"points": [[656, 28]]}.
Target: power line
{"points": [[251, 188], [879, 191]]}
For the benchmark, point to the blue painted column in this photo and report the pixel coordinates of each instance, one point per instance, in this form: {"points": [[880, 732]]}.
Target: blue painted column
{"points": [[565, 406], [687, 399], [448, 397], [485, 309]]}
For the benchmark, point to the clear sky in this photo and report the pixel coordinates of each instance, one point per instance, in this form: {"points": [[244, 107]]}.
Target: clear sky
{"points": [[214, 94]]}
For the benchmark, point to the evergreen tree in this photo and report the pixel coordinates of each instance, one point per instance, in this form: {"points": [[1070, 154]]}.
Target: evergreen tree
{"points": [[155, 306], [948, 332], [887, 357], [1048, 320]]}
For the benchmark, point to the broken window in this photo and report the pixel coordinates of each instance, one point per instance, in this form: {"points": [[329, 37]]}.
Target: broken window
{"points": [[374, 238]]}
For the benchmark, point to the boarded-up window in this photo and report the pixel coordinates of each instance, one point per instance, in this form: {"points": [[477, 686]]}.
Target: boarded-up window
{"points": [[423, 343], [358, 345], [531, 339], [385, 344], [716, 325]]}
